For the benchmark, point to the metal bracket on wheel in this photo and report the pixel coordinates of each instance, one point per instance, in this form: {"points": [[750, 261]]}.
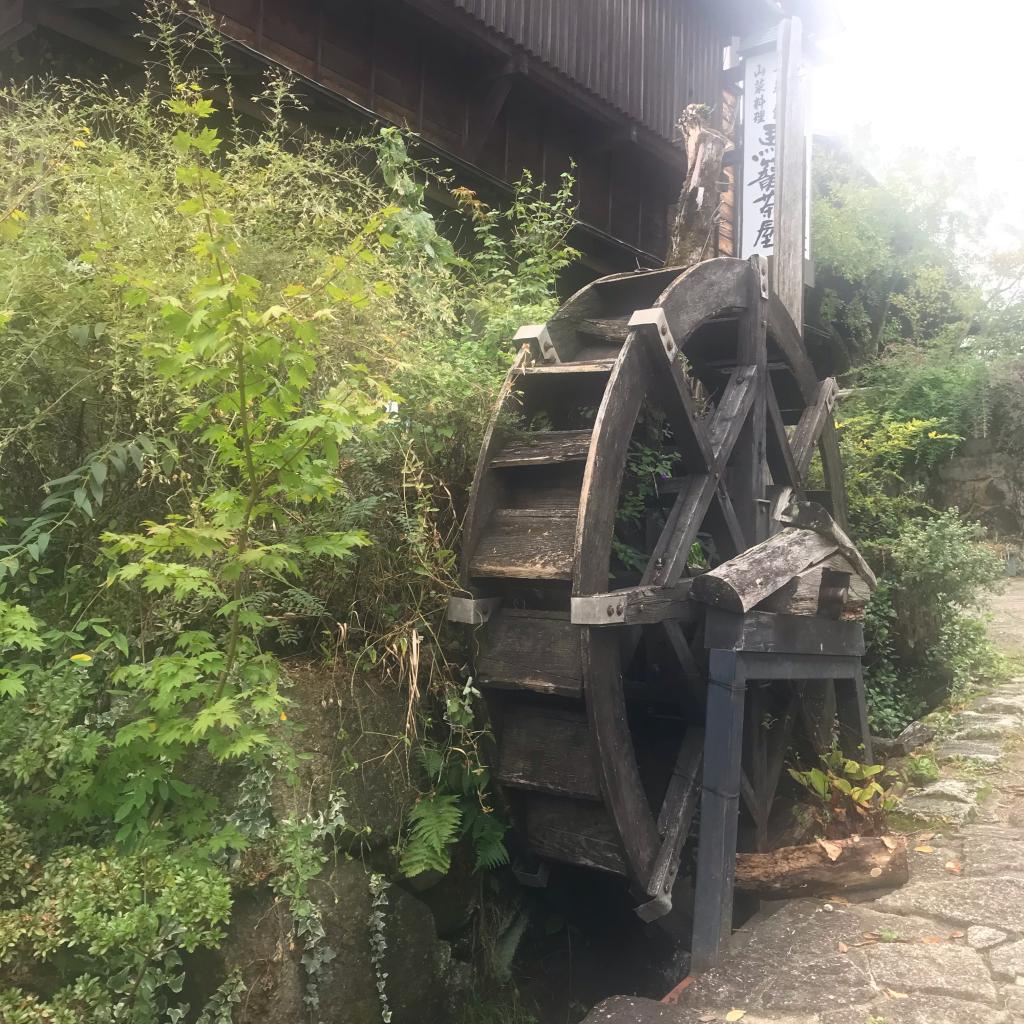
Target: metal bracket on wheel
{"points": [[544, 347], [650, 911], [474, 611], [532, 879], [654, 319]]}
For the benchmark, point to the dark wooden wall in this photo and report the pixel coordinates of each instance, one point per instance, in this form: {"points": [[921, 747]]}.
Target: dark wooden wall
{"points": [[647, 58], [507, 86]]}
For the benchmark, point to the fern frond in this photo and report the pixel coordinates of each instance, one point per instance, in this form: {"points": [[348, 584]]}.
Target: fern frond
{"points": [[487, 833], [434, 824]]}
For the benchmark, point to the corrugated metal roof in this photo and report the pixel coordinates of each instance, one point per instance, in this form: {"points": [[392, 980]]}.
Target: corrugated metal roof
{"points": [[648, 58]]}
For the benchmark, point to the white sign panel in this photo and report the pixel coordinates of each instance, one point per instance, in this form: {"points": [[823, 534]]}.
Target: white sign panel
{"points": [[760, 80]]}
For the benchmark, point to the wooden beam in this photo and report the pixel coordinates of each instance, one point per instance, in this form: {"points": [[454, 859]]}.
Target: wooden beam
{"points": [[16, 22], [694, 683], [811, 425], [731, 412], [780, 454], [719, 811], [748, 476], [486, 107], [832, 465], [674, 821], [768, 633], [634, 606]]}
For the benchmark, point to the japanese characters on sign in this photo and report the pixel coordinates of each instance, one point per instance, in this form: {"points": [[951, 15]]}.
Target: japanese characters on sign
{"points": [[758, 168]]}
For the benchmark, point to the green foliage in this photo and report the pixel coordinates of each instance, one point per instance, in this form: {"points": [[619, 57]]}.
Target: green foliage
{"points": [[240, 380], [924, 642], [128, 916], [456, 806], [920, 769], [848, 796]]}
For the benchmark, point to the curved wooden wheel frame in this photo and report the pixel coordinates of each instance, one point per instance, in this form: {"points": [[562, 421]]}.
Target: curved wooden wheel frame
{"points": [[740, 465]]}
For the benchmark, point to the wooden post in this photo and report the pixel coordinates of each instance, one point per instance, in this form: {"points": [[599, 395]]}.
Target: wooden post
{"points": [[851, 705], [719, 810], [790, 184]]}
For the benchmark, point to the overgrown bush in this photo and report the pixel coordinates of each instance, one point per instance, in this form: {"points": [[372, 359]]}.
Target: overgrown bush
{"points": [[242, 373], [925, 640]]}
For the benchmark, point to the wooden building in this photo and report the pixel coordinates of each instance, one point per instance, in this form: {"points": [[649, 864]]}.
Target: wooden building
{"points": [[493, 87]]}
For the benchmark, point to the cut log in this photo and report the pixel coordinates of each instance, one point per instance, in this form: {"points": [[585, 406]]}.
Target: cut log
{"points": [[808, 515], [861, 862], [832, 588], [747, 579]]}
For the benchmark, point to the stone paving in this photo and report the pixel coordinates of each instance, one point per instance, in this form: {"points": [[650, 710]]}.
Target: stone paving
{"points": [[947, 948]]}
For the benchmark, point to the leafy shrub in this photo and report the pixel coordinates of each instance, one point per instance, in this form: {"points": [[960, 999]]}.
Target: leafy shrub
{"points": [[240, 380], [848, 796], [924, 640]]}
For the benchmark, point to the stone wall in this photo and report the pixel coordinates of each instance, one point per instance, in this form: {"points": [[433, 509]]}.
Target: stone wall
{"points": [[986, 486], [351, 730]]}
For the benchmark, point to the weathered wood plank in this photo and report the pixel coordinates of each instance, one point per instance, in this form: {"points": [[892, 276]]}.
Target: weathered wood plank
{"points": [[547, 750], [768, 633], [531, 650], [832, 465], [623, 788], [487, 490], [780, 454], [811, 424], [744, 581], [544, 448], [530, 544], [748, 474], [677, 811], [810, 516], [595, 367], [823, 589], [694, 684], [668, 559], [574, 831], [612, 330], [731, 412], [634, 606]]}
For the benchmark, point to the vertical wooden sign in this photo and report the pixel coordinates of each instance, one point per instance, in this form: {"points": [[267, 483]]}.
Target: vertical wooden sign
{"points": [[773, 179], [790, 160]]}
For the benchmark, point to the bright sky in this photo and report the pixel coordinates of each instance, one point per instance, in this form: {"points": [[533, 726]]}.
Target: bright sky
{"points": [[933, 75]]}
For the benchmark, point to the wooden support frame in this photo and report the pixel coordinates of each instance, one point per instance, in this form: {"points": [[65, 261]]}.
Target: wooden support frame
{"points": [[731, 671]]}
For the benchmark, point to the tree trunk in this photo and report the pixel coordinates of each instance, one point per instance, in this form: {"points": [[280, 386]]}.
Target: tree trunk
{"points": [[861, 862], [697, 210]]}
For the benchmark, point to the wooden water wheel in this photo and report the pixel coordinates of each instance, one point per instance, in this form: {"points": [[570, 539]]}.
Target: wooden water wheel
{"points": [[653, 428]]}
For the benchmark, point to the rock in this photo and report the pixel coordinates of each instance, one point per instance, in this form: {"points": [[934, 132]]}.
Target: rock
{"points": [[349, 725], [1008, 961], [993, 854], [920, 1008], [980, 937], [951, 799], [913, 737], [962, 900], [970, 750], [941, 968], [261, 945], [974, 726], [416, 963]]}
